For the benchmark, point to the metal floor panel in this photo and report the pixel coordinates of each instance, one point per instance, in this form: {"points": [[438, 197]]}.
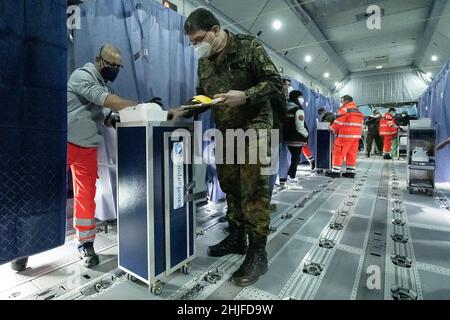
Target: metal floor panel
{"points": [[314, 227], [282, 268], [431, 246], [338, 281], [290, 196], [356, 232], [435, 286], [364, 206], [428, 215], [301, 221], [44, 263]]}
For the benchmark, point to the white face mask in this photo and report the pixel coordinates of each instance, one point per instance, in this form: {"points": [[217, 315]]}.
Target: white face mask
{"points": [[301, 101], [203, 49], [392, 113]]}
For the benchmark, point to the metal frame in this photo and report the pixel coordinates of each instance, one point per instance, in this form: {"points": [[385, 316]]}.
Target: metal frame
{"points": [[169, 268], [410, 186]]}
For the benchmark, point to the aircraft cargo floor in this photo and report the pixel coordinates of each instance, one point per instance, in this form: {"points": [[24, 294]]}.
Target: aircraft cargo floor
{"points": [[366, 238]]}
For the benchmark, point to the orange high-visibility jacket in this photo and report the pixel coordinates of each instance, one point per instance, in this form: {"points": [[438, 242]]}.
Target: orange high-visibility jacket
{"points": [[349, 122], [388, 125]]}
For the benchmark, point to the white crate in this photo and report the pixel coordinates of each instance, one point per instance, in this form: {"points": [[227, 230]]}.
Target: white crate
{"points": [[143, 112]]}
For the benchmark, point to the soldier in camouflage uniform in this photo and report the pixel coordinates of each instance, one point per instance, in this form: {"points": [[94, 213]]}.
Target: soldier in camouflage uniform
{"points": [[238, 69]]}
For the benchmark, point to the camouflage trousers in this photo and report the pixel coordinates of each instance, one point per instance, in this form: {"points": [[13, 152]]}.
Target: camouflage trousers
{"points": [[247, 193]]}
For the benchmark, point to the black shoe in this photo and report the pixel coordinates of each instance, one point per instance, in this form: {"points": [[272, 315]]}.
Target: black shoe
{"points": [[368, 155], [350, 175], [387, 157], [333, 175], [313, 165], [87, 253], [19, 264], [234, 243], [255, 263]]}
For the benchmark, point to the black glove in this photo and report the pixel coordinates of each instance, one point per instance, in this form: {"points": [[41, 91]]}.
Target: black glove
{"points": [[113, 118], [156, 100]]}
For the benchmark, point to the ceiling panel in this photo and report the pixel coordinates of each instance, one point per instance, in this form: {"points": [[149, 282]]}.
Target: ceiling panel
{"points": [[403, 25], [292, 32], [242, 12], [439, 45], [345, 16]]}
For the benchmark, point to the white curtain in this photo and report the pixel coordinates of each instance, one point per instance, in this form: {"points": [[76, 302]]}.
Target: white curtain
{"points": [[385, 87]]}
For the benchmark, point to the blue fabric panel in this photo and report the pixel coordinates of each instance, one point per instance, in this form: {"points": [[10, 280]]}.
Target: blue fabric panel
{"points": [[435, 104], [33, 127], [12, 18], [41, 19], [32, 192], [13, 55]]}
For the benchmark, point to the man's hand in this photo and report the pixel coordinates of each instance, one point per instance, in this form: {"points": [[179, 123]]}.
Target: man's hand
{"points": [[232, 98], [176, 113]]}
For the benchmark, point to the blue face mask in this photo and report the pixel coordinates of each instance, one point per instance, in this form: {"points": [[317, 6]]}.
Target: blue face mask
{"points": [[109, 73]]}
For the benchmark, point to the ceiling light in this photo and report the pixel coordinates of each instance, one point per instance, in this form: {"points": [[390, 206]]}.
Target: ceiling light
{"points": [[434, 58], [308, 58], [277, 25], [326, 74], [429, 74], [379, 67]]}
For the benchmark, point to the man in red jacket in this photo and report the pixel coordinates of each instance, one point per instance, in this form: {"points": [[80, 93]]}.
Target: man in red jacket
{"points": [[388, 130], [348, 128]]}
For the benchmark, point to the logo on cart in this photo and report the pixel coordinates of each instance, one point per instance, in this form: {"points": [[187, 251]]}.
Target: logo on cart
{"points": [[178, 148]]}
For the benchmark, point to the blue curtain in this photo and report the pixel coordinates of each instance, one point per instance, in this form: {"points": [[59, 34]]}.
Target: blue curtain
{"points": [[158, 62], [435, 104], [33, 126]]}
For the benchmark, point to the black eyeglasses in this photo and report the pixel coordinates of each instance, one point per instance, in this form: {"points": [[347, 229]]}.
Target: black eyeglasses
{"points": [[196, 42], [110, 64]]}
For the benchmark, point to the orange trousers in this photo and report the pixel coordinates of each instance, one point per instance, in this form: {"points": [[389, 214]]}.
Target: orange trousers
{"points": [[387, 144], [345, 149], [84, 166], [307, 153]]}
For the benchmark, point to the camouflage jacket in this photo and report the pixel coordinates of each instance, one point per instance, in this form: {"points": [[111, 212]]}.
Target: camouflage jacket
{"points": [[244, 66]]}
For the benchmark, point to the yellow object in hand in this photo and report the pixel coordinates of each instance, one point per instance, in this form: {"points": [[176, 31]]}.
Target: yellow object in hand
{"points": [[202, 99]]}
